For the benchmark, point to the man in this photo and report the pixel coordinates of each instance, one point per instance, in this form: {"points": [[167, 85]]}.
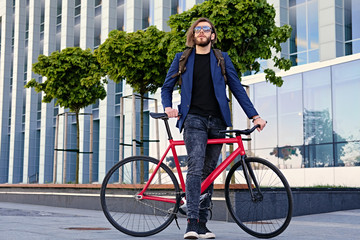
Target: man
{"points": [[204, 112]]}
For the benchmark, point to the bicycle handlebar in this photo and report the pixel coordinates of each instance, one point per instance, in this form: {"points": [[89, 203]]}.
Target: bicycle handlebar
{"points": [[241, 132], [165, 117]]}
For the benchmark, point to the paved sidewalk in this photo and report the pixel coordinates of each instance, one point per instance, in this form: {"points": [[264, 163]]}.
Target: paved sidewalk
{"points": [[24, 221]]}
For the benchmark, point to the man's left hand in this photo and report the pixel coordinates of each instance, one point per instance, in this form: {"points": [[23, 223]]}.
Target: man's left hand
{"points": [[261, 122]]}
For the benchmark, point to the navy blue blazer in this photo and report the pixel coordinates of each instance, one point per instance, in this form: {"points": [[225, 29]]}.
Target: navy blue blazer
{"points": [[219, 87]]}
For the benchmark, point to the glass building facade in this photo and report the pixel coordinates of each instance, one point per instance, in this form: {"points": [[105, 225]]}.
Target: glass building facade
{"points": [[312, 119]]}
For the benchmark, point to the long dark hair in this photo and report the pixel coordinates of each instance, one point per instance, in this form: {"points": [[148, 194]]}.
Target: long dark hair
{"points": [[190, 33]]}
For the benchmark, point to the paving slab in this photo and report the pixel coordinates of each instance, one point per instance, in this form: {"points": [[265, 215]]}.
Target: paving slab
{"points": [[30, 222]]}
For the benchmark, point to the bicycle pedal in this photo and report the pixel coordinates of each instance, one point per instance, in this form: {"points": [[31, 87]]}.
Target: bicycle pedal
{"points": [[182, 205]]}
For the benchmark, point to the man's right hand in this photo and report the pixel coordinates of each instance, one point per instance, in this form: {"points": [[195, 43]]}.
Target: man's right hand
{"points": [[171, 112]]}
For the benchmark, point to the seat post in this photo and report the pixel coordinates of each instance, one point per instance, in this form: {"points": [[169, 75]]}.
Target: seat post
{"points": [[168, 128]]}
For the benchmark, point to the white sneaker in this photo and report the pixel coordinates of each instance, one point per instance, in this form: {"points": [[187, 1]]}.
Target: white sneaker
{"points": [[208, 235], [191, 235]]}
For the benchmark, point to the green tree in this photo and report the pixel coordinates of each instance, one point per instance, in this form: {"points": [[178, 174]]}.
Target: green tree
{"points": [[73, 79], [139, 57], [246, 30]]}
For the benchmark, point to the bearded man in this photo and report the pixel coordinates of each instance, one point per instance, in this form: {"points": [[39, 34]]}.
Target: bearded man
{"points": [[204, 112]]}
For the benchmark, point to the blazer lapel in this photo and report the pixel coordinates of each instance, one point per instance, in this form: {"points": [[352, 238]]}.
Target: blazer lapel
{"points": [[213, 66]]}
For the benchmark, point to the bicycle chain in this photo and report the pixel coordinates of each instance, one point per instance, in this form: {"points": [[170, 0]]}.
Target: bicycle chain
{"points": [[167, 211], [159, 209]]}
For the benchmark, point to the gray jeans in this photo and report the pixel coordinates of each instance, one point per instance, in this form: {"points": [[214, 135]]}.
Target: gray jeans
{"points": [[202, 160]]}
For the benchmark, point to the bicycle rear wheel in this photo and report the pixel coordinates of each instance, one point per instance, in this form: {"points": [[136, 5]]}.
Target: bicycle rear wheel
{"points": [[269, 213], [126, 210]]}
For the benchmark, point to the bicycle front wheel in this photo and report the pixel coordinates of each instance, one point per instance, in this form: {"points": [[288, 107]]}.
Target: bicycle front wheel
{"points": [[131, 213], [267, 212]]}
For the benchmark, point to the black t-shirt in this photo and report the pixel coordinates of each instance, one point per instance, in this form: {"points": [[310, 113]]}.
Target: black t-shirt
{"points": [[203, 99]]}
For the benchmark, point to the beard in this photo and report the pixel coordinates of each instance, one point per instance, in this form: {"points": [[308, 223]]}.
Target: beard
{"points": [[202, 42]]}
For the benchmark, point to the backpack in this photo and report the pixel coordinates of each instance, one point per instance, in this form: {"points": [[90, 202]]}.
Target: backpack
{"points": [[184, 57]]}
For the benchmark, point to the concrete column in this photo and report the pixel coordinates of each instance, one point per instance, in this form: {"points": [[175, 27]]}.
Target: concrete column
{"points": [[107, 145], [191, 3], [108, 18], [6, 12], [87, 24], [162, 11], [67, 23], [327, 33], [46, 155], [84, 125], [30, 156], [86, 41], [133, 15]]}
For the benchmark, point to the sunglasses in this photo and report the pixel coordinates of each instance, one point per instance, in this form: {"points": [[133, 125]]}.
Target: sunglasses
{"points": [[206, 29]]}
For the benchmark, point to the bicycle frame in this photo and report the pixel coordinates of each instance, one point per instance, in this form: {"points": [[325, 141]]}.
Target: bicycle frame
{"points": [[210, 179]]}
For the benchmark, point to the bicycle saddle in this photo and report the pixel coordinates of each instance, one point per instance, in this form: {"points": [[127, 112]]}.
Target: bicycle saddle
{"points": [[159, 115]]}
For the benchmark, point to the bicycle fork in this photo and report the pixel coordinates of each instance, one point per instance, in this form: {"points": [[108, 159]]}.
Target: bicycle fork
{"points": [[256, 196]]}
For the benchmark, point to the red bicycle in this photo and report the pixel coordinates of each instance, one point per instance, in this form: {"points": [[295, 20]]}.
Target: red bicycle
{"points": [[141, 196]]}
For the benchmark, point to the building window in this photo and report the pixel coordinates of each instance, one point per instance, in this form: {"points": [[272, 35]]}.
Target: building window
{"points": [[56, 112], [177, 6], [265, 103], [346, 85], [352, 26], [10, 95], [175, 9], [95, 110], [13, 29], [145, 14], [304, 40], [120, 23], [77, 23], [58, 25], [27, 24], [97, 32], [321, 155], [339, 28], [118, 95], [42, 22], [290, 111], [317, 107], [24, 90], [38, 107]]}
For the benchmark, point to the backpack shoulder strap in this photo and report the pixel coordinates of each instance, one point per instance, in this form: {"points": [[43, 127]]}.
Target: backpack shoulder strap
{"points": [[182, 64], [185, 55], [221, 62]]}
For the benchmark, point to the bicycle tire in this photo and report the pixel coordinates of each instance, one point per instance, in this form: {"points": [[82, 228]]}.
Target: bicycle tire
{"points": [[271, 213], [131, 215]]}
